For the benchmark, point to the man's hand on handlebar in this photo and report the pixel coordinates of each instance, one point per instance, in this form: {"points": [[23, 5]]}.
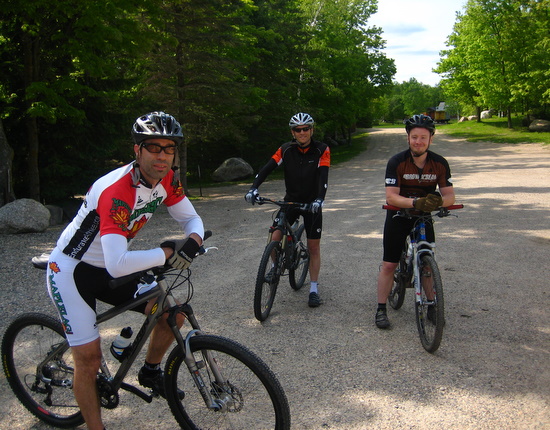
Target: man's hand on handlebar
{"points": [[184, 250], [252, 196], [316, 206], [429, 203]]}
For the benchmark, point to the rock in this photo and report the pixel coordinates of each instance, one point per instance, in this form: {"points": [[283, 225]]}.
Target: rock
{"points": [[56, 214], [472, 118], [232, 169], [24, 216], [486, 114], [539, 125], [462, 119]]}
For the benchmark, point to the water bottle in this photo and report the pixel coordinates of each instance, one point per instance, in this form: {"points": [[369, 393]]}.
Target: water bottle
{"points": [[121, 343]]}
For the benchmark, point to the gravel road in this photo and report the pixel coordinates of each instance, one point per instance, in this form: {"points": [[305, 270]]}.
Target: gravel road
{"points": [[338, 370]]}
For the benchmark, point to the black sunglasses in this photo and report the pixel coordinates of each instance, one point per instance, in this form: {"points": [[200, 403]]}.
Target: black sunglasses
{"points": [[155, 148], [299, 130]]}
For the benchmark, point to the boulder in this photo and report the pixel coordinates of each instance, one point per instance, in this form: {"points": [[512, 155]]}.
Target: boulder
{"points": [[486, 114], [539, 125], [56, 214], [472, 118], [232, 169], [462, 119], [24, 216]]}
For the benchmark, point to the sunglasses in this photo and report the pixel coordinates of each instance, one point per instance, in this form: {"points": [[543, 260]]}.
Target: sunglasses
{"points": [[155, 148], [299, 130]]}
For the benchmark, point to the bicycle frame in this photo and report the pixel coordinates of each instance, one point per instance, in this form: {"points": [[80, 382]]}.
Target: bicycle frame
{"points": [[165, 303], [284, 226]]}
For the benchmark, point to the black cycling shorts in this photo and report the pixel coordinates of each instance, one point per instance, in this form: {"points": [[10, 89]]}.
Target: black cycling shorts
{"points": [[313, 222]]}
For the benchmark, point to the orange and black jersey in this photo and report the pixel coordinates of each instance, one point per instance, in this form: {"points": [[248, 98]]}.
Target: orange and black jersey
{"points": [[415, 182], [306, 170]]}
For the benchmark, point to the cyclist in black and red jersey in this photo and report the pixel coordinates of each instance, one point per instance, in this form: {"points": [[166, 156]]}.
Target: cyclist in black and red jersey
{"points": [[306, 164], [93, 249], [412, 177]]}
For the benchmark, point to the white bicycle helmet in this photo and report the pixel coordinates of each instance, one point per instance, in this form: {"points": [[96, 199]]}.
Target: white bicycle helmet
{"points": [[301, 119], [157, 125]]}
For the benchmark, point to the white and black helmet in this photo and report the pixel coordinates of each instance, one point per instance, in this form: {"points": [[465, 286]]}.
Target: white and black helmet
{"points": [[301, 119], [158, 125]]}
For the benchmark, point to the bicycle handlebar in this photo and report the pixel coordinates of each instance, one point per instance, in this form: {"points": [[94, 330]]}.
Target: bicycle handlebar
{"points": [[117, 282], [395, 208], [282, 203], [408, 212]]}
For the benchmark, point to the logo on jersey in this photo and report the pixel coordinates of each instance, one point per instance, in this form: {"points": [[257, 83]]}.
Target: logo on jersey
{"points": [[391, 181], [178, 189], [136, 226], [120, 213]]}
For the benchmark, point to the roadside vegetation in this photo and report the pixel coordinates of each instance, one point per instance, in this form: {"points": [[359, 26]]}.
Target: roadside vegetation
{"points": [[488, 130]]}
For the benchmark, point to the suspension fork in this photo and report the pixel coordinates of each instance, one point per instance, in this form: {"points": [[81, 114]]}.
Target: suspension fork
{"points": [[193, 365]]}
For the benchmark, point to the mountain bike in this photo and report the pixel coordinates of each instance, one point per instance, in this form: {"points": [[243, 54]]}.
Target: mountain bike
{"points": [[290, 254], [210, 381], [418, 269]]}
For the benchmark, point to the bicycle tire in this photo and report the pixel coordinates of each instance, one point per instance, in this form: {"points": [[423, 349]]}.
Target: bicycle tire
{"points": [[400, 281], [266, 282], [299, 268], [250, 395], [26, 343], [430, 327]]}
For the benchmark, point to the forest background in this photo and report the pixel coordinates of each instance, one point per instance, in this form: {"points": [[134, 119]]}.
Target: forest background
{"points": [[75, 75]]}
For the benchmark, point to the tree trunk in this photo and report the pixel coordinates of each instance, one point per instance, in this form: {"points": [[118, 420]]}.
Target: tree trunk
{"points": [[478, 110], [30, 54], [6, 158], [509, 117]]}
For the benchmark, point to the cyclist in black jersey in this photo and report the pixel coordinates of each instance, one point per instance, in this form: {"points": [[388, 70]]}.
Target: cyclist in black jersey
{"points": [[412, 177], [306, 163]]}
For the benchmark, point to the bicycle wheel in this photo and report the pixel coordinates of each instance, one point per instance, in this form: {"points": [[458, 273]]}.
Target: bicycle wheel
{"points": [[267, 280], [249, 397], [430, 317], [401, 279], [41, 379], [300, 266]]}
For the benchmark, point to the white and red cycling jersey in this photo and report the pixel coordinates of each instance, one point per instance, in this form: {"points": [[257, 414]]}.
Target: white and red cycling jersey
{"points": [[115, 209]]}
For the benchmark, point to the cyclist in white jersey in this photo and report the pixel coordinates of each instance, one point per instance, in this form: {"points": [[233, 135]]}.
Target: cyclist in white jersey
{"points": [[93, 249]]}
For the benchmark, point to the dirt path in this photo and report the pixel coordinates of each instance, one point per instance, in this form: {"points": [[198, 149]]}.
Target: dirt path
{"points": [[339, 371]]}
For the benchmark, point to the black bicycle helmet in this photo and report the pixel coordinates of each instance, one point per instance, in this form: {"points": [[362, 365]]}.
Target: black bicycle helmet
{"points": [[421, 120], [157, 125]]}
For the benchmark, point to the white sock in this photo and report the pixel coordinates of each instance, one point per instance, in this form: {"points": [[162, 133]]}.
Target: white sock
{"points": [[313, 287]]}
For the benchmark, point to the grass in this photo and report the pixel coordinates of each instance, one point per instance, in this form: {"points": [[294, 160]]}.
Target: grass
{"points": [[494, 130]]}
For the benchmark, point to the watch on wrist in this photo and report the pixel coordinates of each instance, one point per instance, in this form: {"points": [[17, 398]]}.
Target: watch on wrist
{"points": [[414, 202]]}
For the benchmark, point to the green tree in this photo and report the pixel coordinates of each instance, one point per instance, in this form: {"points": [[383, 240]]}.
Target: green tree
{"points": [[499, 56], [62, 63], [344, 67]]}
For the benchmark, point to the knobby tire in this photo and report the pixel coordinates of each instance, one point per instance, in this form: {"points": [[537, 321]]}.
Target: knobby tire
{"points": [[252, 395], [264, 293], [300, 266], [430, 328], [26, 343], [400, 281]]}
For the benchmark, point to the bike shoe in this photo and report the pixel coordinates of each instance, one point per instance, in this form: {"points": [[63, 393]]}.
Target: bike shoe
{"points": [[155, 381], [314, 300], [381, 319]]}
